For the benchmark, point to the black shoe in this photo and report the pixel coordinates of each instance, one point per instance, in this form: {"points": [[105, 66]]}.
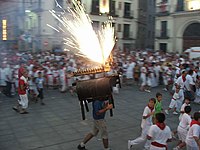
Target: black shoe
{"points": [[15, 109], [42, 103], [24, 112], [81, 148]]}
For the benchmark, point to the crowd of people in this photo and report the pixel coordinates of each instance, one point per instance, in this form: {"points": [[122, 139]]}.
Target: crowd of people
{"points": [[179, 75]]}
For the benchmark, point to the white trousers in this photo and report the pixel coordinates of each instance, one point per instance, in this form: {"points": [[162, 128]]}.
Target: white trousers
{"points": [[142, 138], [157, 148], [23, 101]]}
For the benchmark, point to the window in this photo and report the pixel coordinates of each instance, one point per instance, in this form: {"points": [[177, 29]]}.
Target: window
{"points": [[180, 5], [163, 28], [119, 28], [126, 31], [95, 6], [163, 47], [120, 5], [127, 10], [112, 8]]}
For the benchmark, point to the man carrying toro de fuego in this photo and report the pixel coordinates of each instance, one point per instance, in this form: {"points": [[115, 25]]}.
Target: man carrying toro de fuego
{"points": [[99, 124]]}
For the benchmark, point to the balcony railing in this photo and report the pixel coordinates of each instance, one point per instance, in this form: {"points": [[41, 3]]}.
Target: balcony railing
{"points": [[162, 9], [129, 14], [114, 13], [162, 34], [128, 37]]}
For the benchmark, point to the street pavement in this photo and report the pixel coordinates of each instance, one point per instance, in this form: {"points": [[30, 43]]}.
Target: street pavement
{"points": [[58, 124]]}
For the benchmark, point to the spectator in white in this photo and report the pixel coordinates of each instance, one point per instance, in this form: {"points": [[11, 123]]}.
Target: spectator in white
{"points": [[8, 80], [167, 74], [189, 86], [129, 71], [40, 86], [194, 75], [2, 78], [181, 82], [143, 77], [62, 76]]}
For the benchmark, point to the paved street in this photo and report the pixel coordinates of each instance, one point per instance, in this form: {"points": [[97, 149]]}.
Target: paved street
{"points": [[58, 124]]}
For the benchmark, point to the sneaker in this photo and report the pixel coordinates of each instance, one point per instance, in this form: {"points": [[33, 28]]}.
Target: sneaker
{"points": [[148, 91], [175, 113], [81, 148], [165, 89], [175, 148], [129, 144], [167, 112]]}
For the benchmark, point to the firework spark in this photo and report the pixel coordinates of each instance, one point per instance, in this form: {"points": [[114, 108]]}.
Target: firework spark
{"points": [[80, 35]]}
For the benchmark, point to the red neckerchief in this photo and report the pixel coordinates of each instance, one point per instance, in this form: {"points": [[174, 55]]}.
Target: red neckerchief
{"points": [[184, 78], [194, 122], [151, 108], [161, 125]]}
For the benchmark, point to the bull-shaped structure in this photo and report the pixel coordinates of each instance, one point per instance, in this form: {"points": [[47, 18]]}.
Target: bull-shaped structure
{"points": [[93, 89]]}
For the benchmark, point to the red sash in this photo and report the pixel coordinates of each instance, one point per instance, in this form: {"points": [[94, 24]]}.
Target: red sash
{"points": [[156, 144]]}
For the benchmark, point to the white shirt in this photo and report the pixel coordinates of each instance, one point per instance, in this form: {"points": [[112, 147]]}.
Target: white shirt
{"points": [[183, 110], [2, 74], [194, 130], [188, 82], [143, 72], [194, 76], [158, 135], [147, 121], [183, 107], [180, 82], [185, 121], [8, 74]]}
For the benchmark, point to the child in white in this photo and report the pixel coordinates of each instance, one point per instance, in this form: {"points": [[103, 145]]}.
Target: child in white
{"points": [[192, 139], [159, 134], [145, 125], [174, 101], [186, 103], [183, 128]]}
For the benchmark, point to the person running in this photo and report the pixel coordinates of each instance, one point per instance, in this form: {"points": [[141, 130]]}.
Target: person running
{"points": [[183, 128], [192, 138], [145, 125], [99, 124], [159, 134]]}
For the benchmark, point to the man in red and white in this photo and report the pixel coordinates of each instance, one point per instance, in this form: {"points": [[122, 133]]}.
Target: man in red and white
{"points": [[145, 125], [192, 139], [159, 134], [183, 128], [22, 91]]}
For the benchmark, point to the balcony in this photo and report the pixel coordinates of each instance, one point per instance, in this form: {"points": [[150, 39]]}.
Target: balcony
{"points": [[128, 36], [162, 35], [114, 13], [162, 9], [128, 14]]}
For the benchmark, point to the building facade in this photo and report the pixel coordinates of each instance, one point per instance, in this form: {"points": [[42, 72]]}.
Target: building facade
{"points": [[131, 18], [177, 25]]}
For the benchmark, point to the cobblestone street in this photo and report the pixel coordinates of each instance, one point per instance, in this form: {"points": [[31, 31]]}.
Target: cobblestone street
{"points": [[58, 124]]}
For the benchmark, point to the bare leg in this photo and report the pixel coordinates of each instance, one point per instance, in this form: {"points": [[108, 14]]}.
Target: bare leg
{"points": [[88, 137], [105, 143]]}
